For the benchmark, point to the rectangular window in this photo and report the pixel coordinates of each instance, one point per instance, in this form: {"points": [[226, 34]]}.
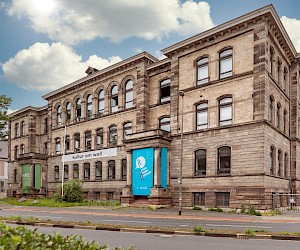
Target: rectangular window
{"points": [[222, 199], [165, 90], [76, 171], [110, 196], [97, 196], [124, 169], [226, 63], [200, 162], [67, 143], [99, 138], [202, 116], [57, 146], [225, 111], [66, 172], [46, 126], [111, 170], [56, 173], [199, 199], [202, 74], [99, 170], [77, 142], [86, 171]]}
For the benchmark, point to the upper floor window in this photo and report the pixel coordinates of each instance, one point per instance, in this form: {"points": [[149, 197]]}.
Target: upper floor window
{"points": [[271, 108], [113, 136], [86, 171], [15, 175], [16, 152], [57, 145], [202, 71], [279, 160], [46, 148], [46, 125], [286, 165], [77, 142], [67, 143], [285, 79], [278, 116], [279, 71], [111, 170], [17, 130], [22, 128], [165, 90], [124, 169], [224, 160], [164, 124], [127, 129], [101, 103], [200, 162], [78, 110], [99, 139], [88, 140], [89, 107], [129, 94], [98, 171], [285, 121], [202, 116], [272, 159], [271, 54], [226, 63], [75, 171], [59, 111], [22, 149], [225, 111], [114, 99], [68, 111]]}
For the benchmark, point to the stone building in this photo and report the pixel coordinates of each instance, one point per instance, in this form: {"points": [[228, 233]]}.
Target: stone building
{"points": [[239, 84]]}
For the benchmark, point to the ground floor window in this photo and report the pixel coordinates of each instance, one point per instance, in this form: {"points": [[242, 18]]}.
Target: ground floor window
{"points": [[110, 196], [76, 171], [97, 195], [199, 199], [56, 173], [222, 199]]}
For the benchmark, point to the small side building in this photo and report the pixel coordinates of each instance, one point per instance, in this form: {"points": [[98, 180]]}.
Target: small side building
{"points": [[3, 168]]}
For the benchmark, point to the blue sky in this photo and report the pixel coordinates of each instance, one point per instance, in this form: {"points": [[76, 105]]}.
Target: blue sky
{"points": [[46, 44]]}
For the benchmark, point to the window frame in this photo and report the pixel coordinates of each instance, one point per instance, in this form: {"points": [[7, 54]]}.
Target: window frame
{"points": [[123, 169], [202, 63], [163, 122], [222, 199], [86, 171], [99, 138], [113, 141], [101, 100], [88, 140], [76, 171], [77, 141], [66, 172], [223, 105], [201, 110], [222, 160], [89, 107], [198, 170], [57, 146], [59, 115], [165, 90], [111, 173], [114, 99], [127, 129], [199, 199], [56, 173], [78, 111], [272, 160], [223, 57], [128, 91], [98, 165]]}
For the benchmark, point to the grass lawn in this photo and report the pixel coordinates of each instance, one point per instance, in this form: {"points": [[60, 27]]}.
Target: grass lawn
{"points": [[45, 202]]}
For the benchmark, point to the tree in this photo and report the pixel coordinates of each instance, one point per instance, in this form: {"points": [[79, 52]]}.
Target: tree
{"points": [[4, 118]]}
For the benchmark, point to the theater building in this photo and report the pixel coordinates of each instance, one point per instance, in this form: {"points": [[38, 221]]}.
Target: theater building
{"points": [[239, 85]]}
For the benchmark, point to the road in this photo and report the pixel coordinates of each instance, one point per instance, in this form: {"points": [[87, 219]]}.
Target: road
{"points": [[172, 242], [228, 222]]}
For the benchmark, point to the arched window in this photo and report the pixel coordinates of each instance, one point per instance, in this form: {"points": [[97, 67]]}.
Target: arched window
{"points": [[271, 109], [278, 116], [271, 54], [89, 107], [165, 90], [224, 160], [202, 116], [111, 170], [286, 165], [225, 111], [164, 124], [200, 162], [22, 149], [98, 171], [285, 80], [86, 171], [16, 152], [279, 162], [202, 71], [77, 142], [17, 133], [113, 136], [15, 175], [129, 94], [114, 99], [78, 110], [58, 117], [124, 169], [285, 121], [57, 145], [127, 128], [88, 140], [225, 63], [22, 128], [101, 103], [272, 159], [67, 143], [279, 71], [68, 111]]}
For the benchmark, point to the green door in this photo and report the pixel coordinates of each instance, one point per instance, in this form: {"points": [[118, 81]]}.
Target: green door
{"points": [[25, 177], [37, 176]]}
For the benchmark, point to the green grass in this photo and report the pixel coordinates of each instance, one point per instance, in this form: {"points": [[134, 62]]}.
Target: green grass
{"points": [[217, 209], [45, 202], [249, 232], [197, 208], [198, 230]]}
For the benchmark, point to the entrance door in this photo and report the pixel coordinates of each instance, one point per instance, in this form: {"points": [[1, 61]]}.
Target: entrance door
{"points": [[25, 177]]}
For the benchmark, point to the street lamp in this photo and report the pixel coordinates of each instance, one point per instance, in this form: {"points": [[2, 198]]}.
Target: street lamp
{"points": [[181, 149]]}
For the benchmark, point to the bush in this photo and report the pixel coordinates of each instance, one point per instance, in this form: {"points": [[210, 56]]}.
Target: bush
{"points": [[73, 191], [198, 230], [22, 238], [252, 211], [197, 208], [249, 232], [215, 209]]}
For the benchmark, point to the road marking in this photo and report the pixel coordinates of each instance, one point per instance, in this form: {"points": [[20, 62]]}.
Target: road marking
{"points": [[134, 221], [184, 225], [228, 225]]}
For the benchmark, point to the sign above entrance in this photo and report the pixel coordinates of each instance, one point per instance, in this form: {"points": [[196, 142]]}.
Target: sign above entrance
{"points": [[109, 152]]}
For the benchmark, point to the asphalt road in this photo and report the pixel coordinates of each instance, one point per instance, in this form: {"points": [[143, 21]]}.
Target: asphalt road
{"points": [[172, 242], [207, 223]]}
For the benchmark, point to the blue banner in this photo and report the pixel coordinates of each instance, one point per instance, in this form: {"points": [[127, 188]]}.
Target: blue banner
{"points": [[164, 167], [142, 171]]}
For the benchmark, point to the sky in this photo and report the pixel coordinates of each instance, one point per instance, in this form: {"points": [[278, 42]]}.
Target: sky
{"points": [[46, 44]]}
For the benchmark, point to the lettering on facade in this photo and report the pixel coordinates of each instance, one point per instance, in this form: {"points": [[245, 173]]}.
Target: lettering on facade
{"points": [[91, 155]]}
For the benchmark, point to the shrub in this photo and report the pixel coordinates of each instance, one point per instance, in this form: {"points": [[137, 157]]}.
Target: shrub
{"points": [[22, 238], [217, 209], [252, 211], [73, 191], [198, 230], [57, 197], [249, 231], [197, 208]]}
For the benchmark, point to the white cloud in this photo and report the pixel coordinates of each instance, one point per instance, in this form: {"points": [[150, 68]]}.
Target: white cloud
{"points": [[292, 26], [159, 55], [9, 110], [73, 21], [46, 66]]}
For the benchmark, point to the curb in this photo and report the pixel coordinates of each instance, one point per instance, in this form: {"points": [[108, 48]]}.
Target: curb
{"points": [[153, 231]]}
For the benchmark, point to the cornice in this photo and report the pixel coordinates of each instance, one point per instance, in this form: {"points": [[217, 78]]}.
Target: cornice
{"points": [[104, 72], [28, 109], [159, 64], [269, 9]]}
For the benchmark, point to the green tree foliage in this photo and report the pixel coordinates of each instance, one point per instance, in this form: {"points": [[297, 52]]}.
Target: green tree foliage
{"points": [[4, 104], [73, 191], [22, 238]]}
